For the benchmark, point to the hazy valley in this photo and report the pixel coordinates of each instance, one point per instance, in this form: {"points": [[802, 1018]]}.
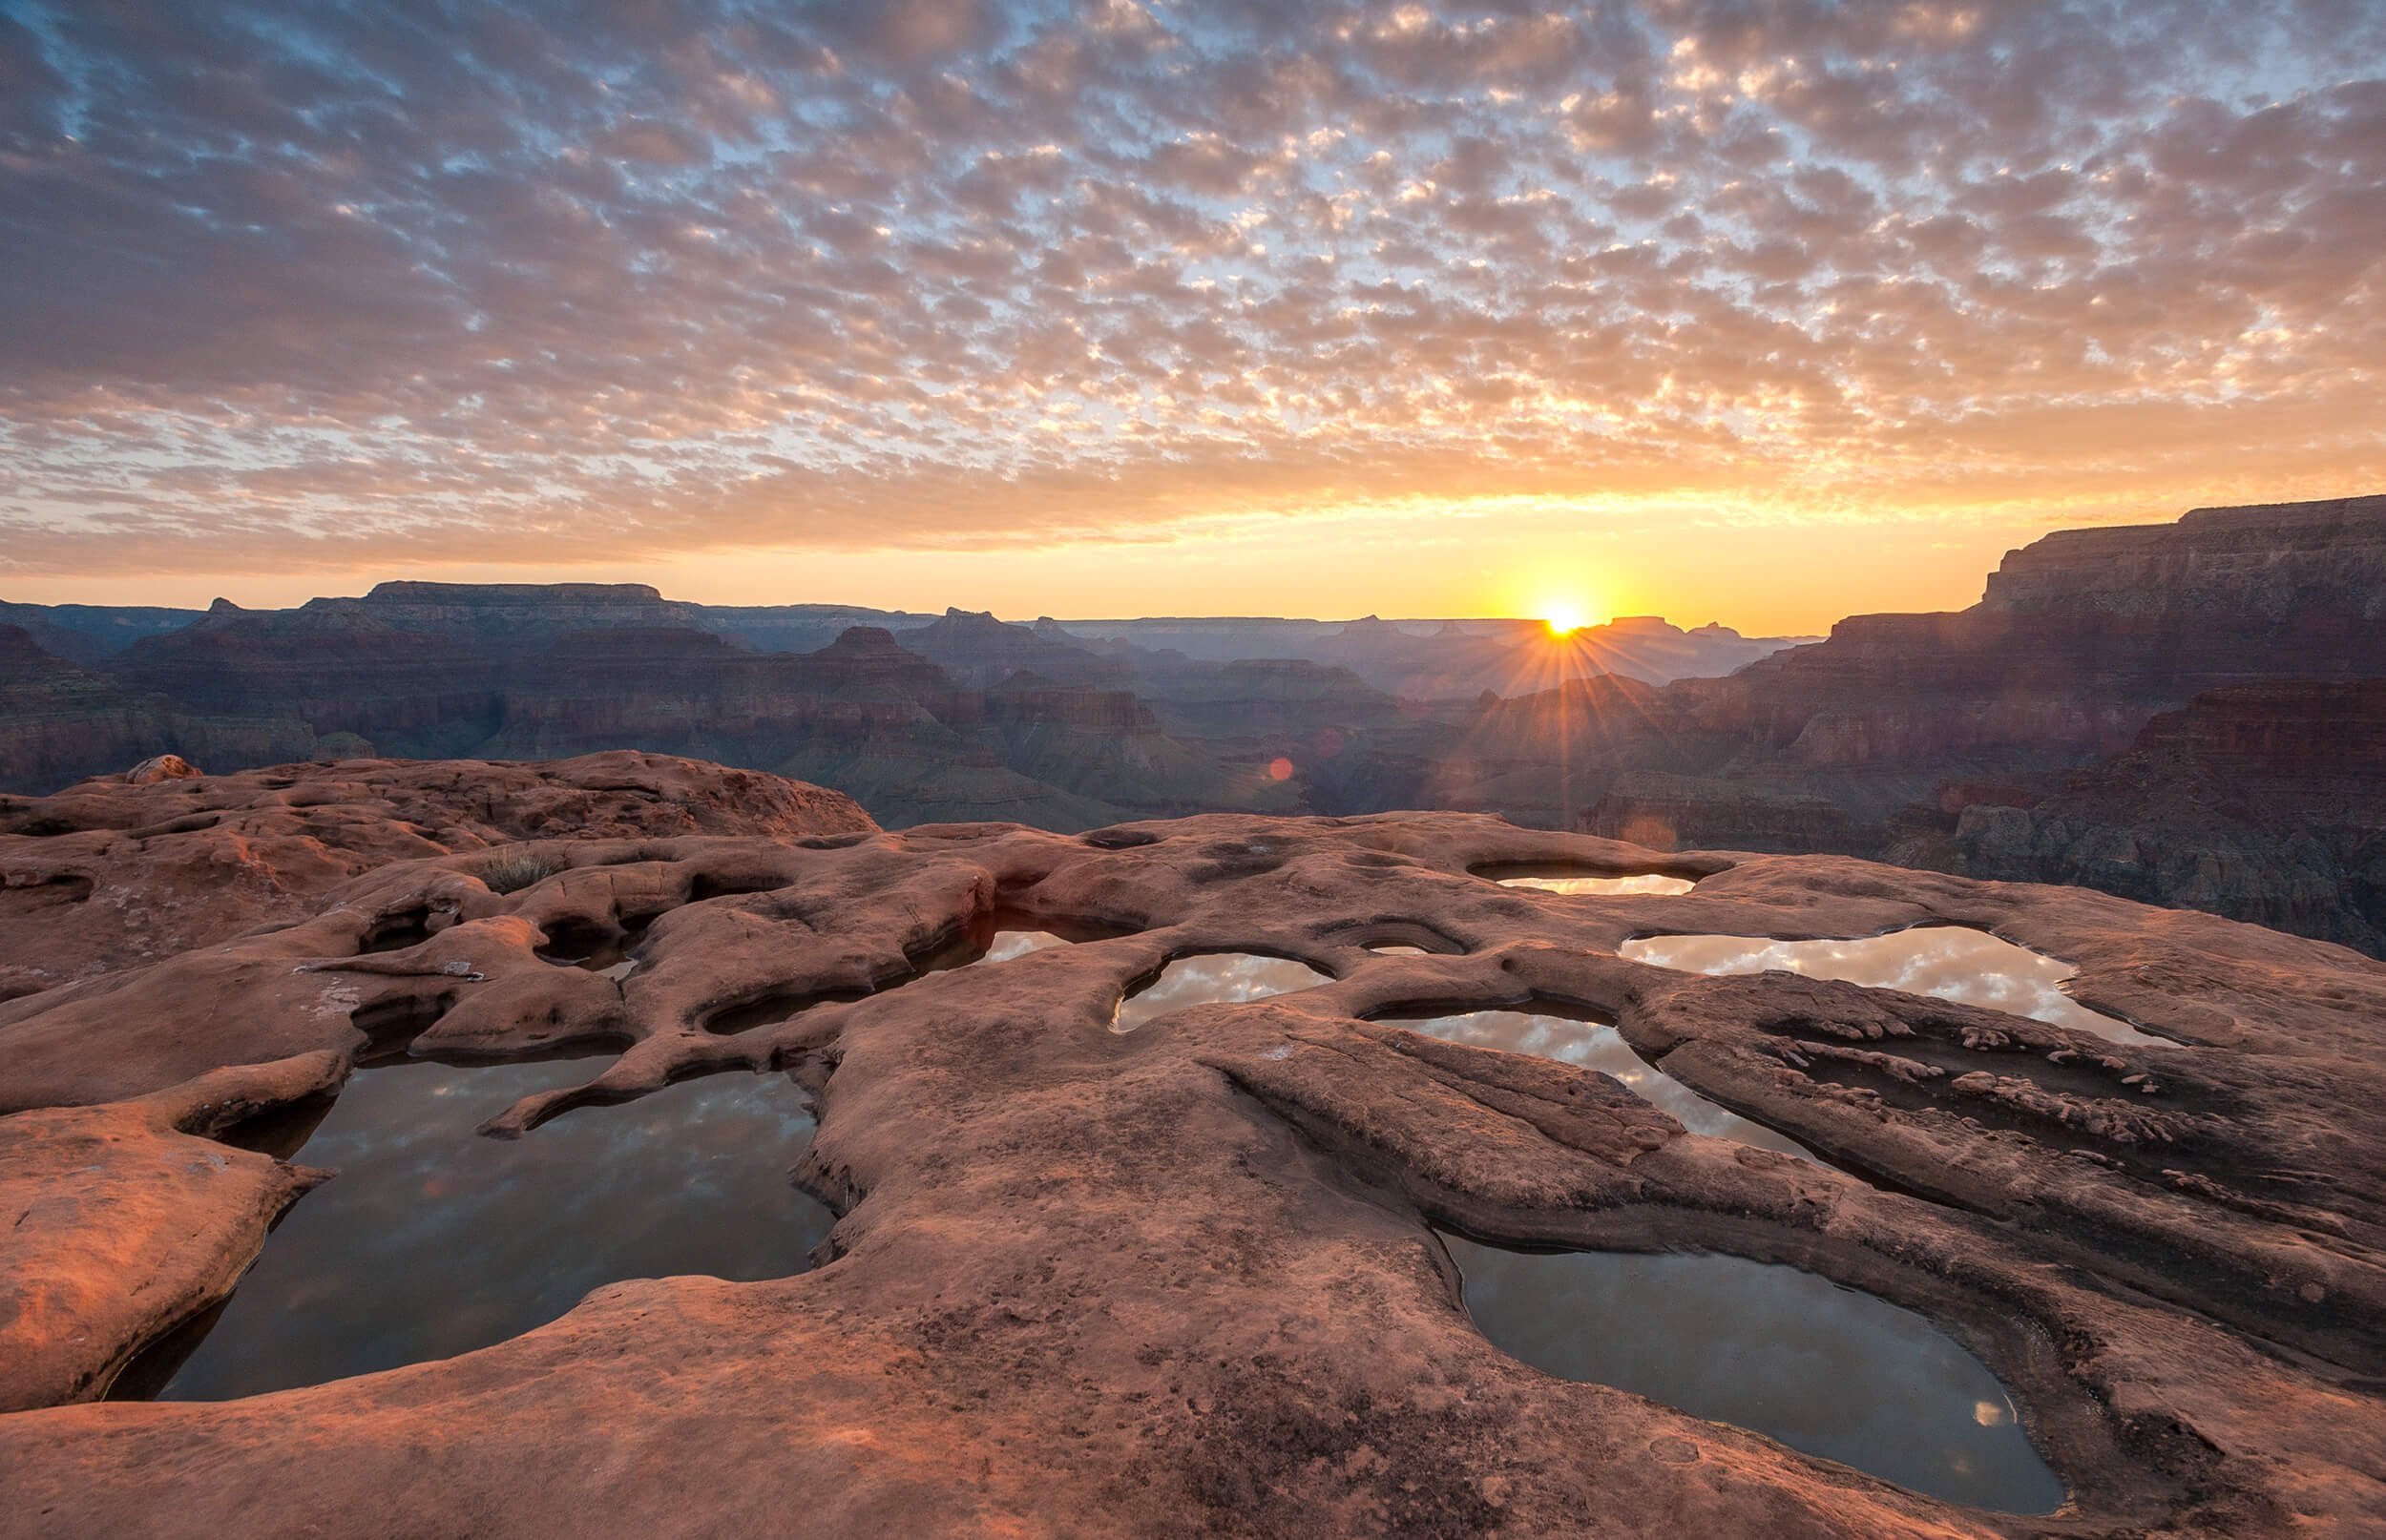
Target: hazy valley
{"points": [[1992, 740]]}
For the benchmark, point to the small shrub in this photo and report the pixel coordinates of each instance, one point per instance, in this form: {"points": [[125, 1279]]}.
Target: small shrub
{"points": [[515, 868]]}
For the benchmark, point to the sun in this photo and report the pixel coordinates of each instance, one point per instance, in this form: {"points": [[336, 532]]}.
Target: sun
{"points": [[1564, 617]]}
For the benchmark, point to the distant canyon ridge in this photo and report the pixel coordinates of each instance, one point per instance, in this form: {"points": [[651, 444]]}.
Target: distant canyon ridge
{"points": [[2191, 714]]}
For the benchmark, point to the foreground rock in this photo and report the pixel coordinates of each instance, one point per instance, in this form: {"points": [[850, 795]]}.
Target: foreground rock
{"points": [[1180, 1280], [129, 1214], [122, 870]]}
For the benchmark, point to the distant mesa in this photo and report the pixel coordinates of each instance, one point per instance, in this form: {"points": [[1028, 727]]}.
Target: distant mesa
{"points": [[1697, 737]]}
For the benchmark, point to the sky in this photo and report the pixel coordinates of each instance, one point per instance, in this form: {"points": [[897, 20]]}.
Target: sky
{"points": [[1764, 311]]}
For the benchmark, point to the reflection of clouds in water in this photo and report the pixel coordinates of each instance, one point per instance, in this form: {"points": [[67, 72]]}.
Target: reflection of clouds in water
{"points": [[1010, 944], [433, 1240], [1644, 883], [1217, 978], [1827, 1370], [1398, 952], [1602, 1048], [1949, 961]]}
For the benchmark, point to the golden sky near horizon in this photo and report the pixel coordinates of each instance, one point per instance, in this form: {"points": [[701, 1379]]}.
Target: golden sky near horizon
{"points": [[1761, 311]]}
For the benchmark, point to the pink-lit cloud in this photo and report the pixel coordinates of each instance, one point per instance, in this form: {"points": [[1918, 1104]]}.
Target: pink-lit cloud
{"points": [[337, 286]]}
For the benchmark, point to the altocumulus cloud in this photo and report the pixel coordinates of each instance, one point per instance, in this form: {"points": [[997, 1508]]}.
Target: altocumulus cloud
{"points": [[295, 284]]}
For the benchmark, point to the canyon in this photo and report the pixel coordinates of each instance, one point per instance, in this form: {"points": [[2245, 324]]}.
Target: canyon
{"points": [[959, 717], [2008, 739]]}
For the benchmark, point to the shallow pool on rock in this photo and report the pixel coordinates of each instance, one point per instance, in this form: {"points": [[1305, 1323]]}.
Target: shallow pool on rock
{"points": [[1597, 1045], [1948, 962], [1213, 978], [434, 1239], [1638, 882], [1824, 1369], [1009, 943]]}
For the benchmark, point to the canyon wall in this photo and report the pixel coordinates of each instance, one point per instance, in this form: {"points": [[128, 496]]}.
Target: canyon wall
{"points": [[2262, 803]]}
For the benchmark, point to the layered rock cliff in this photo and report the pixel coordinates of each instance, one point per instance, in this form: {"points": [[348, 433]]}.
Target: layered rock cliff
{"points": [[2273, 564], [2263, 803], [59, 720], [433, 670], [91, 633], [2082, 636]]}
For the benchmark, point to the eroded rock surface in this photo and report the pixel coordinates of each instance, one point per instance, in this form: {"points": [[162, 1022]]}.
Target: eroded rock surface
{"points": [[120, 870], [1184, 1280]]}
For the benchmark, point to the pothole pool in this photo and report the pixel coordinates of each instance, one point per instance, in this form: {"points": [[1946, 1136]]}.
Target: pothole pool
{"points": [[1824, 1369], [1598, 1046], [1213, 978], [1583, 883], [434, 1239], [1948, 962]]}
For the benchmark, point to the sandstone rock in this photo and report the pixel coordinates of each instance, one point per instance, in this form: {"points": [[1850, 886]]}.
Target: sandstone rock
{"points": [[131, 1219], [114, 872], [1181, 1281], [160, 767]]}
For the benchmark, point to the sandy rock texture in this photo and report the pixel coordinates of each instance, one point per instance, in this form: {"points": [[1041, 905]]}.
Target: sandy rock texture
{"points": [[1183, 1281], [126, 1216], [125, 869]]}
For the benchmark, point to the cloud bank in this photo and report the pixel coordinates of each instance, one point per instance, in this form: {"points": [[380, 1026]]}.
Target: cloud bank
{"points": [[346, 285]]}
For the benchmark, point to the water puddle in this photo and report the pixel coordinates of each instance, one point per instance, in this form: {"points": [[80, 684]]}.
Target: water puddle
{"points": [[1946, 962], [1000, 935], [1213, 978], [1827, 1371], [1009, 943], [1598, 1046], [608, 951], [1407, 938], [433, 1239], [1578, 884]]}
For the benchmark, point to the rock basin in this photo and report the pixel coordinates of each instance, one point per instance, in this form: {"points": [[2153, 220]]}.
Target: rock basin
{"points": [[434, 1239], [1594, 1045], [1212, 978], [1824, 1369], [1946, 962], [1582, 884]]}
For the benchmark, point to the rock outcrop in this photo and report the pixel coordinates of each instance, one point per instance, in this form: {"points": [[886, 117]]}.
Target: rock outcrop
{"points": [[2291, 573], [116, 872], [1184, 1280], [2084, 640]]}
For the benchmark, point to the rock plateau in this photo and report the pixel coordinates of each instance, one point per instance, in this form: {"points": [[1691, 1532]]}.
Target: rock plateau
{"points": [[1184, 1280]]}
